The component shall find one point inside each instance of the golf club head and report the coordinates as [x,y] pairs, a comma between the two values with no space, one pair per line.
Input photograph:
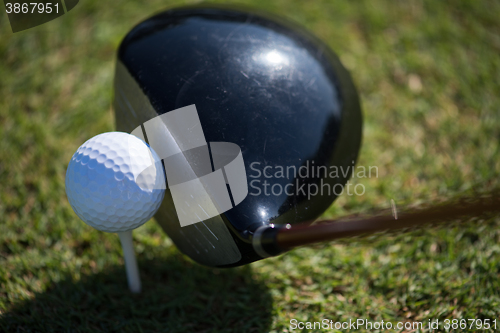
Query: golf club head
[279,95]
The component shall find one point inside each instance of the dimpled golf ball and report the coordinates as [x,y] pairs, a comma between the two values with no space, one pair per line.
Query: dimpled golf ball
[115,182]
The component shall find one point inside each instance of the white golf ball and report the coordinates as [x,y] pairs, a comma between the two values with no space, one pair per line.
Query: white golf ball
[115,182]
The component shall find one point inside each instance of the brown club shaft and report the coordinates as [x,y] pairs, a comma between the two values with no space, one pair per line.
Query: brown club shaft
[329,230]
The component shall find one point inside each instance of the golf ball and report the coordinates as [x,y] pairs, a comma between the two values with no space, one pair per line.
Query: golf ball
[115,182]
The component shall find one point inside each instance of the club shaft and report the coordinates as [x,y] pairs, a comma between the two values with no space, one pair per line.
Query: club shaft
[134,280]
[330,230]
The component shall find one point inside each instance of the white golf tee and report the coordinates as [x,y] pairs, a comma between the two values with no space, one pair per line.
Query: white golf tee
[134,281]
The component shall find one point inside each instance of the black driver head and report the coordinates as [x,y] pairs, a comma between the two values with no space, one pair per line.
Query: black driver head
[261,83]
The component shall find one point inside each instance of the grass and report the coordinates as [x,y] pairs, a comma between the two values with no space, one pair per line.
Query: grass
[428,75]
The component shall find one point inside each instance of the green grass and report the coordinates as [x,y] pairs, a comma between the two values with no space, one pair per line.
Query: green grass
[428,73]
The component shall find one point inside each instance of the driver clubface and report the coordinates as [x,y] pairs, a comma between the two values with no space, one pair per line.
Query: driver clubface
[260,83]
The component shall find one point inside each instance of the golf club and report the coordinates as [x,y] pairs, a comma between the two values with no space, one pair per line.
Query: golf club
[281,96]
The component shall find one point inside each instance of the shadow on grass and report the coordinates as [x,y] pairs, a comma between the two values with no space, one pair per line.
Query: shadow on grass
[177,296]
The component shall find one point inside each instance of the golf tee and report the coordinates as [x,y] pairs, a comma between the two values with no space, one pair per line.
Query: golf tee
[134,281]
